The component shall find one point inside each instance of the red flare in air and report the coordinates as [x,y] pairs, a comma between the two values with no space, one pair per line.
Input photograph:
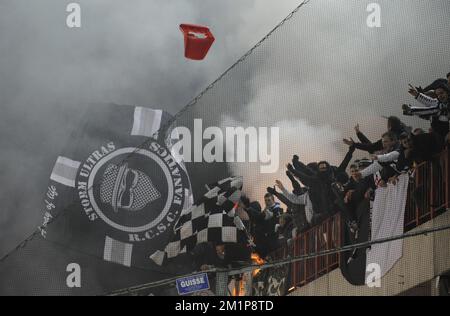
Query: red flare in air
[197,41]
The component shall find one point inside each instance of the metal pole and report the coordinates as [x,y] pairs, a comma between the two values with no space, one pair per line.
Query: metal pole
[221,283]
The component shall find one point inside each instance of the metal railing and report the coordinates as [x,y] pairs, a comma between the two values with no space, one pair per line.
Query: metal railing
[325,236]
[429,194]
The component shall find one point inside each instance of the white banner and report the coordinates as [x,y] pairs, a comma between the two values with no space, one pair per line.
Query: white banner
[387,221]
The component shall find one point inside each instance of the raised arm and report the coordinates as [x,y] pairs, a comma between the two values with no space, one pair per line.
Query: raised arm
[422,98]
[301,166]
[347,159]
[421,111]
[280,196]
[307,180]
[393,155]
[371,169]
[295,184]
[293,198]
[362,138]
[427,101]
[370,147]
[435,84]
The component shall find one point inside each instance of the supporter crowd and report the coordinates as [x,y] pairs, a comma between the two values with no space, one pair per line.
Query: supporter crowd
[318,190]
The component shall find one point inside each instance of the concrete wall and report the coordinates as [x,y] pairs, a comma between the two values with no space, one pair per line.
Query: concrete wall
[424,257]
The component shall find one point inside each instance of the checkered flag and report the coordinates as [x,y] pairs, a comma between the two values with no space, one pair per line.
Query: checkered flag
[211,219]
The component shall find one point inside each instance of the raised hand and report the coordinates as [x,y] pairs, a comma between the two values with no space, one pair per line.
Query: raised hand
[413,91]
[279,184]
[271,190]
[289,167]
[349,142]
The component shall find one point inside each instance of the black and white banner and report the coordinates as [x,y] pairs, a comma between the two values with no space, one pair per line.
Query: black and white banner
[117,190]
[272,281]
[115,193]
[353,263]
[211,219]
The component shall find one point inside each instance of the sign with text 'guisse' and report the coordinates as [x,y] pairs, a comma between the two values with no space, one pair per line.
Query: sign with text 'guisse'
[191,284]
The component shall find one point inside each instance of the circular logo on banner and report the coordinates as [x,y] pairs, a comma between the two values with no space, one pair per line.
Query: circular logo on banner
[137,192]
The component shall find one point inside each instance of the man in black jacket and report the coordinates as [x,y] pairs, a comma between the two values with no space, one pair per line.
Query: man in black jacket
[285,230]
[320,182]
[424,146]
[263,228]
[319,185]
[355,191]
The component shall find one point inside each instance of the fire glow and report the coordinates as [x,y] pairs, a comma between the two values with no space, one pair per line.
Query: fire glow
[256,260]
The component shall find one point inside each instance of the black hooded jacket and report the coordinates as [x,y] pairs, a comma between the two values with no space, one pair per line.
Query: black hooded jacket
[425,146]
[262,229]
[319,183]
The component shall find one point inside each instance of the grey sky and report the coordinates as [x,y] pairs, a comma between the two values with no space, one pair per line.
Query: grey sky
[321,73]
